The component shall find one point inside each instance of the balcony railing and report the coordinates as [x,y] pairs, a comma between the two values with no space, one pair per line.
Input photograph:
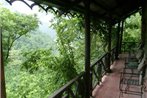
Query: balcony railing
[76,87]
[129,46]
[99,69]
[73,89]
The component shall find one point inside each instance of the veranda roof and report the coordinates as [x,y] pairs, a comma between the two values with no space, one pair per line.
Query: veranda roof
[107,10]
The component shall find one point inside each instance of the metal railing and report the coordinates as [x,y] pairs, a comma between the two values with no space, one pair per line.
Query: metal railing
[73,89]
[129,46]
[76,87]
[100,68]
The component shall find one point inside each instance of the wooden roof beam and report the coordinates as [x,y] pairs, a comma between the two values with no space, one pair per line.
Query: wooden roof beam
[76,2]
[107,11]
[68,3]
[101,6]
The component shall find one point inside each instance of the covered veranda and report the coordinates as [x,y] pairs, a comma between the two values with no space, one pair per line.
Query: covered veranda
[109,87]
[111,12]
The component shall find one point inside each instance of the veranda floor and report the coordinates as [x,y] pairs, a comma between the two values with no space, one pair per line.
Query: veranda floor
[109,87]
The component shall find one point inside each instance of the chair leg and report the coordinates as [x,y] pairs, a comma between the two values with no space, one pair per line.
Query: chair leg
[142,89]
[120,94]
[144,86]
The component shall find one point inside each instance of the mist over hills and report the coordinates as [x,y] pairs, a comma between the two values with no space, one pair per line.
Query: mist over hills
[43,17]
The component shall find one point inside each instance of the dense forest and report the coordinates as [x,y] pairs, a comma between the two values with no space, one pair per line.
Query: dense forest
[36,65]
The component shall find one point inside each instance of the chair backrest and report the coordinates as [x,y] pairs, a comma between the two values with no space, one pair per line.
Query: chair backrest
[145,77]
[139,54]
[141,64]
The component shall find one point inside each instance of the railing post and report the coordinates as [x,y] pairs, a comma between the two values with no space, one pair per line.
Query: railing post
[121,36]
[3,88]
[87,48]
[109,48]
[118,40]
[143,24]
[91,85]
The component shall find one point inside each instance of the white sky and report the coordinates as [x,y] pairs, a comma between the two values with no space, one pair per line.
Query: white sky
[23,8]
[44,17]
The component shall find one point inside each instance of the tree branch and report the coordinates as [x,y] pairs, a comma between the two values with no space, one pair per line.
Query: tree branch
[10,45]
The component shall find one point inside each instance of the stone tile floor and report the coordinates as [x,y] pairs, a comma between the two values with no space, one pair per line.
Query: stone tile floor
[109,88]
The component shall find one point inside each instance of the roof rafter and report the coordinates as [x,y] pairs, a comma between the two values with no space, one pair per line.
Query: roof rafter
[100,5]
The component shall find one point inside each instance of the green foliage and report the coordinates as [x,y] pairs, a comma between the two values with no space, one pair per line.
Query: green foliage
[38,66]
[36,59]
[132,29]
[33,41]
[13,26]
[132,32]
[70,40]
[40,78]
[70,33]
[22,84]
[100,29]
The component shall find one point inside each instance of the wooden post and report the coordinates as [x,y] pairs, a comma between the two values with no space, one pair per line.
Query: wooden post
[144,29]
[3,88]
[87,48]
[109,48]
[121,36]
[118,40]
[143,24]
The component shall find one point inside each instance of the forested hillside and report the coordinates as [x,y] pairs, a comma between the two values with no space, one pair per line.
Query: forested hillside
[36,65]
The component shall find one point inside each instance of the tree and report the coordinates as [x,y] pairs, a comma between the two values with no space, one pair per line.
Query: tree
[13,26]
[33,41]
[132,32]
[36,59]
[70,33]
[132,29]
[70,42]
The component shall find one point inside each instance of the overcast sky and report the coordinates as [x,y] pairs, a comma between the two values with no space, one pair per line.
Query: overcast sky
[43,16]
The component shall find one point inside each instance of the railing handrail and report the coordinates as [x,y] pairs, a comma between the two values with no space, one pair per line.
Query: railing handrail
[69,84]
[100,58]
[66,86]
[128,46]
[113,48]
[92,65]
[129,42]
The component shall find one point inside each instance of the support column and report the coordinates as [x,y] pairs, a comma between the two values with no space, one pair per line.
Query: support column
[121,36]
[118,40]
[3,88]
[143,23]
[109,47]
[144,30]
[87,48]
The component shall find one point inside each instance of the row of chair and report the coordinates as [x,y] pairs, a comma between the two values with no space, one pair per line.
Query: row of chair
[131,79]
